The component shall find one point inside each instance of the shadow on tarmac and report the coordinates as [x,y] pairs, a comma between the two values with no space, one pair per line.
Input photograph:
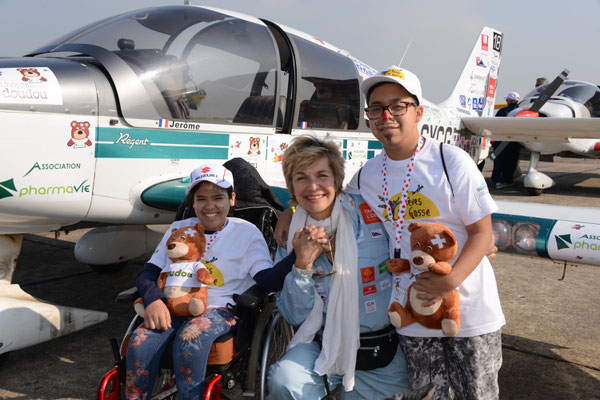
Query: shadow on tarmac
[532,370]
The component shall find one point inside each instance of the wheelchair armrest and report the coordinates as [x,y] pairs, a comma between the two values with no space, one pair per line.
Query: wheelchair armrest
[128,296]
[251,298]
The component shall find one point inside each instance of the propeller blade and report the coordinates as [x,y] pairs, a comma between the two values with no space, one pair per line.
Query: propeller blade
[546,94]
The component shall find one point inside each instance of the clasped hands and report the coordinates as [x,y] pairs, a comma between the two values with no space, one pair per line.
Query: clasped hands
[309,242]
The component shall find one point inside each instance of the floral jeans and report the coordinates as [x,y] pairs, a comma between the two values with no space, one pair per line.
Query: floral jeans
[193,339]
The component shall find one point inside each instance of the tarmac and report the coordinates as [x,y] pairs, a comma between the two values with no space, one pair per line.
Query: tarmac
[551,346]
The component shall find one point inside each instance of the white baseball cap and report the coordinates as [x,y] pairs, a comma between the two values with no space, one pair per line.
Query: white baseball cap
[395,74]
[213,173]
[513,96]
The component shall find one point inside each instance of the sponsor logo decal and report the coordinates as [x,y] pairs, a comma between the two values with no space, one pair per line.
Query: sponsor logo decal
[54,190]
[393,72]
[383,267]
[418,206]
[463,100]
[492,88]
[484,42]
[29,85]
[125,138]
[53,166]
[370,306]
[367,274]
[6,188]
[480,62]
[368,214]
[376,233]
[563,241]
[367,290]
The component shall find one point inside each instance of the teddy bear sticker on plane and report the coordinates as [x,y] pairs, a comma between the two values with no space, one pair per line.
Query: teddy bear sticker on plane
[184,281]
[432,247]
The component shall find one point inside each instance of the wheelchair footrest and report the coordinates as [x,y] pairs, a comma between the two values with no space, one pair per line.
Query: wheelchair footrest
[212,388]
[110,385]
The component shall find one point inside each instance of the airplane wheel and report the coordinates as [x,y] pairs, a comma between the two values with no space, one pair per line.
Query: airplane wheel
[3,358]
[108,269]
[534,191]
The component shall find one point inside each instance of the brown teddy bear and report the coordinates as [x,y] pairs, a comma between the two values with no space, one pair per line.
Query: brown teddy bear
[185,247]
[432,246]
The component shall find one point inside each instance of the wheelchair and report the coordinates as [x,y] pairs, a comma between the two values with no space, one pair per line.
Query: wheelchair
[242,357]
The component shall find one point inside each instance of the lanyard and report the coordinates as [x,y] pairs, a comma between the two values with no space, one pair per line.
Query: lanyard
[399,222]
[212,237]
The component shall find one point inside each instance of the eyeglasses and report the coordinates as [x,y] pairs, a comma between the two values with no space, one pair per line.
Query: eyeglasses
[397,110]
[333,271]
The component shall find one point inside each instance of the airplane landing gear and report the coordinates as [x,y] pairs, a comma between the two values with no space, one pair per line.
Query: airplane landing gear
[535,181]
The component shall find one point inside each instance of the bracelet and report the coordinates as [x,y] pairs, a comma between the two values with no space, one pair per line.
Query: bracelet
[305,273]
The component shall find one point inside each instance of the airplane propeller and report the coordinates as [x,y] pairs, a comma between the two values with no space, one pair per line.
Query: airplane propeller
[533,111]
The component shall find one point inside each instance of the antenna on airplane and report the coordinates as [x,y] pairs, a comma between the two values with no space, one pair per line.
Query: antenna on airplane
[405,51]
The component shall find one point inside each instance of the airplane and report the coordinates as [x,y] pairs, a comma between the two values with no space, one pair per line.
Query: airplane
[555,103]
[102,126]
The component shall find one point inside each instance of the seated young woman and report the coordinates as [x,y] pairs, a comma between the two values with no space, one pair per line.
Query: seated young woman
[337,294]
[239,256]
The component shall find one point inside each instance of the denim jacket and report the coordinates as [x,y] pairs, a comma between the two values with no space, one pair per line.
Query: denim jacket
[296,299]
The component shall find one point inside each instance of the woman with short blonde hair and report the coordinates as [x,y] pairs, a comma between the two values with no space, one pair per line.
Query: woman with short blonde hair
[339,296]
[308,150]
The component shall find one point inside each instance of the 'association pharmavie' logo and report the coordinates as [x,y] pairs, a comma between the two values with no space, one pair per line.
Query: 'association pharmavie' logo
[5,187]
[563,241]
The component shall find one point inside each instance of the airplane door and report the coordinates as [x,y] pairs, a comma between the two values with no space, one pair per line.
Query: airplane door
[47,148]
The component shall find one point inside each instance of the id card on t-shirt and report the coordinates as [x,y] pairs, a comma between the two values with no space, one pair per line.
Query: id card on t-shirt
[183,274]
[398,290]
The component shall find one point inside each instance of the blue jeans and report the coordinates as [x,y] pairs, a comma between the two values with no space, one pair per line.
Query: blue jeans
[293,377]
[192,340]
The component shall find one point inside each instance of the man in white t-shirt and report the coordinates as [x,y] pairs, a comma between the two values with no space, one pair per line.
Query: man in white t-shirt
[407,182]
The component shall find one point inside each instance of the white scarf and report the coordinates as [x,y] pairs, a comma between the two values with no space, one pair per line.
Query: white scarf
[342,329]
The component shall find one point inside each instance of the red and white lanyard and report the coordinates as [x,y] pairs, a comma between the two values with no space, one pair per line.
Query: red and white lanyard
[399,222]
[212,237]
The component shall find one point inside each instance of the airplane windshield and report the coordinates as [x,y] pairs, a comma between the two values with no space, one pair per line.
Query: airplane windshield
[195,64]
[580,92]
[586,94]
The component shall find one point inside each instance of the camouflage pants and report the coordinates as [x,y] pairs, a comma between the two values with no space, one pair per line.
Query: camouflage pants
[462,368]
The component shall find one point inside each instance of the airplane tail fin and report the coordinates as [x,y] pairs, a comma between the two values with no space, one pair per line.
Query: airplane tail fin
[476,88]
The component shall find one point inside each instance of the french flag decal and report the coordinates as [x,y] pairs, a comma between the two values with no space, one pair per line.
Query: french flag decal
[163,123]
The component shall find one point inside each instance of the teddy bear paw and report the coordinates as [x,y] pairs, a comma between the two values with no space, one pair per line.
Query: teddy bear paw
[395,319]
[196,307]
[449,327]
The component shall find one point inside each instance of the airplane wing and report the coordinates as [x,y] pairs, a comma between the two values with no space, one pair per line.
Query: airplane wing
[534,129]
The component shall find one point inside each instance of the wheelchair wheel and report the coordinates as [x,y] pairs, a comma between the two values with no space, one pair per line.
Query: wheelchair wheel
[277,338]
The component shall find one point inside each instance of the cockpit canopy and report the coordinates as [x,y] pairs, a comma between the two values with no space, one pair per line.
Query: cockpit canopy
[205,65]
[580,92]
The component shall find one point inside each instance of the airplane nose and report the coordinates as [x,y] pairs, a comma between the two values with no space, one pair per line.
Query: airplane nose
[527,114]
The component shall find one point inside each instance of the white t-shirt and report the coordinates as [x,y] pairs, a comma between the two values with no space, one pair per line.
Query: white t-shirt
[183,274]
[430,200]
[237,253]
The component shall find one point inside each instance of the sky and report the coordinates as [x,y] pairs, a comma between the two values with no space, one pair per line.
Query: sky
[541,38]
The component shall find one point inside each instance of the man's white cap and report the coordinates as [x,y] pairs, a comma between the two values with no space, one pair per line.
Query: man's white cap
[395,74]
[513,96]
[213,173]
